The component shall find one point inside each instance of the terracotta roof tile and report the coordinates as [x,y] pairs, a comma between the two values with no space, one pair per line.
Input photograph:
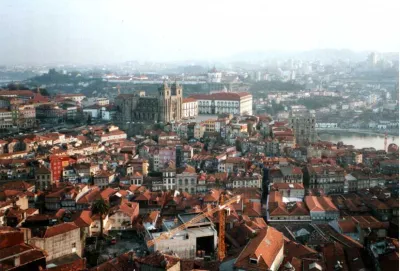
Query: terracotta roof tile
[60,229]
[265,247]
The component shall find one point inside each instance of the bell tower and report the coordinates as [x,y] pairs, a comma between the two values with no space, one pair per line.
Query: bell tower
[164,101]
[177,99]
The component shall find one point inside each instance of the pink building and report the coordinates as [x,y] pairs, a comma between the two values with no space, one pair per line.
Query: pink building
[163,156]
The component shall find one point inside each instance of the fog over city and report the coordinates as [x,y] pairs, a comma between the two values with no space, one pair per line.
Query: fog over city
[82,32]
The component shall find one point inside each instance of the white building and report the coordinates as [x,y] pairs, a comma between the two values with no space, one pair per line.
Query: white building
[236,103]
[189,108]
[373,59]
[114,135]
[6,120]
[214,76]
[326,125]
[75,97]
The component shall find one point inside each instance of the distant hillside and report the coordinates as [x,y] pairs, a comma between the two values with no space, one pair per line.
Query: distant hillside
[325,55]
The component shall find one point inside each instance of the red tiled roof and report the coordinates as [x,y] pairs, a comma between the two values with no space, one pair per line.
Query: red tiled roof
[128,208]
[319,204]
[84,219]
[17,185]
[280,186]
[222,96]
[77,265]
[106,193]
[60,229]
[155,260]
[27,253]
[347,226]
[265,247]
[189,100]
[275,196]
[297,250]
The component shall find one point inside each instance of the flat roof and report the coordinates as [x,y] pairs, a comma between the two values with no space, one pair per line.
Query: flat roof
[187,217]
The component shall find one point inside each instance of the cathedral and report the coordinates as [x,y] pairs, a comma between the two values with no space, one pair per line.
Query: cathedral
[166,106]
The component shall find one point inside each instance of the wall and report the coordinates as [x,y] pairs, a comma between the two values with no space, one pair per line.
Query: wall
[60,245]
[278,260]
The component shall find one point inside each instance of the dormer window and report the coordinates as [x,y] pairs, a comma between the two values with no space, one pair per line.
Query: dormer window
[253,261]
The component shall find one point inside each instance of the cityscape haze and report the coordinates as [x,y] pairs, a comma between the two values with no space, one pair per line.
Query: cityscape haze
[84,32]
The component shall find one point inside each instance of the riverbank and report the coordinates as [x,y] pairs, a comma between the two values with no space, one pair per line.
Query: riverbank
[359,140]
[356,131]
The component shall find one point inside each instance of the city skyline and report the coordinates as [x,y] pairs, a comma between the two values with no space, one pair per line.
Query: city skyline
[111,32]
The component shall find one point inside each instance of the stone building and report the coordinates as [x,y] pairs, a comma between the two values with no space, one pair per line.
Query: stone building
[328,178]
[198,236]
[59,240]
[186,179]
[16,255]
[44,178]
[303,123]
[137,107]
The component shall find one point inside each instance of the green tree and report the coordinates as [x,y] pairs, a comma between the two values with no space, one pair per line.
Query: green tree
[101,208]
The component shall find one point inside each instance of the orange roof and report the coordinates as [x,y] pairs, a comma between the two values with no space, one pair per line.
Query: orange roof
[79,264]
[152,216]
[84,219]
[275,196]
[60,229]
[212,196]
[264,248]
[297,250]
[277,209]
[128,208]
[319,204]
[189,100]
[106,193]
[157,259]
[347,226]
[222,96]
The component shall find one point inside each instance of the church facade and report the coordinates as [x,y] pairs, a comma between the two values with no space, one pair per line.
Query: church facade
[166,106]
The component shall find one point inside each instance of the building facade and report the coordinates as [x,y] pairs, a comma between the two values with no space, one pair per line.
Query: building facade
[303,124]
[6,119]
[236,103]
[331,179]
[165,107]
[59,240]
[189,108]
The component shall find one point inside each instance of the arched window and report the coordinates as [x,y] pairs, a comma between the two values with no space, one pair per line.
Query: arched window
[180,181]
[193,181]
[186,181]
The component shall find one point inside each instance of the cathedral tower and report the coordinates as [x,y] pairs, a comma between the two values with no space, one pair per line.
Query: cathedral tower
[177,100]
[164,100]
[170,102]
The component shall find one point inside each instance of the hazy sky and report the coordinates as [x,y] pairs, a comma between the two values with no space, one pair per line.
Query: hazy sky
[83,31]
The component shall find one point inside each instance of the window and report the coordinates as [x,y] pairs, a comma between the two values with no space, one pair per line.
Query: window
[73,245]
[253,261]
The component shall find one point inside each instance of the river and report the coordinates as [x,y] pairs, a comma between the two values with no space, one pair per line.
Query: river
[358,140]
